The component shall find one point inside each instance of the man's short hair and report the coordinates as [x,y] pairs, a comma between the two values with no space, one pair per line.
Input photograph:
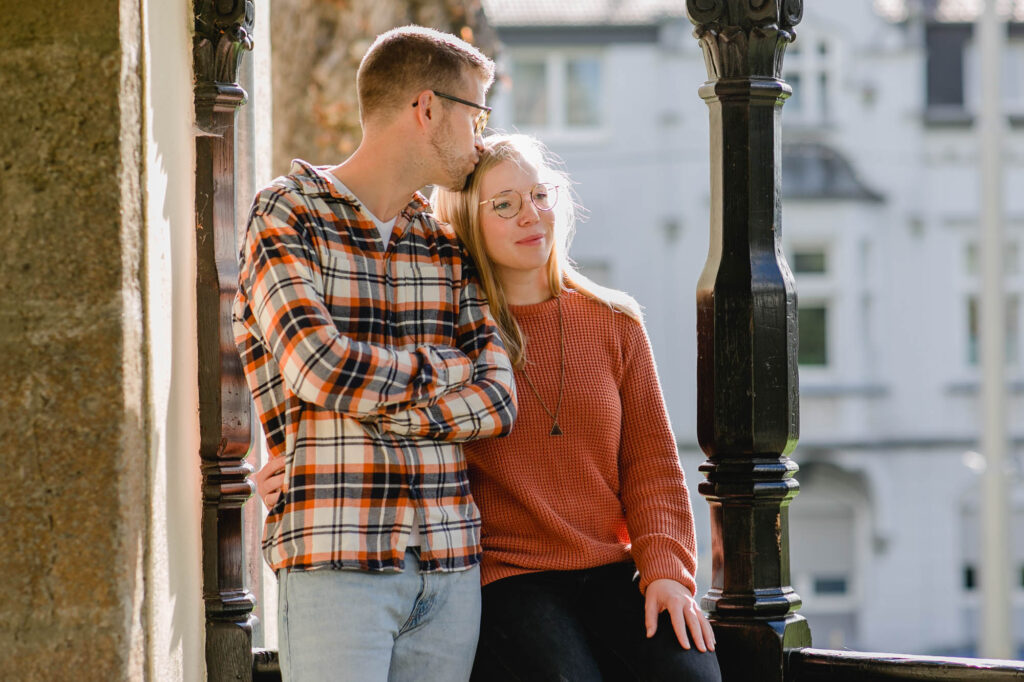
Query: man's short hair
[405,61]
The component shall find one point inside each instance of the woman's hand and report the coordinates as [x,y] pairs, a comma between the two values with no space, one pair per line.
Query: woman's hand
[664,594]
[269,481]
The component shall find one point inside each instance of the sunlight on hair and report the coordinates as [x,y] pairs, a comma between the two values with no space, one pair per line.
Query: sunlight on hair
[462,211]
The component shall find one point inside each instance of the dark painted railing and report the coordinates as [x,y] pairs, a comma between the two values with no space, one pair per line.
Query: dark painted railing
[820,665]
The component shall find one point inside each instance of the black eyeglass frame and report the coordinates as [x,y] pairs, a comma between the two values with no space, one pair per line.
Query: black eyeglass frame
[480,122]
[552,189]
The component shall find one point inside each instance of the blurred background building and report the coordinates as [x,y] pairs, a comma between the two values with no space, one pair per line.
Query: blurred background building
[107,564]
[880,226]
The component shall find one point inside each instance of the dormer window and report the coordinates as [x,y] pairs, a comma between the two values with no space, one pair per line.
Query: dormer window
[810,69]
[553,92]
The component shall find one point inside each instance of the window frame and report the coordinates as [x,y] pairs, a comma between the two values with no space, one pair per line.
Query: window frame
[818,289]
[970,290]
[810,66]
[556,62]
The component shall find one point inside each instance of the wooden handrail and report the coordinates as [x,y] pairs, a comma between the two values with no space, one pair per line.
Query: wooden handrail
[812,665]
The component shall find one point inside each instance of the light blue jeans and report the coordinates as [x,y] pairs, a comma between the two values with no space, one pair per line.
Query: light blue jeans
[372,627]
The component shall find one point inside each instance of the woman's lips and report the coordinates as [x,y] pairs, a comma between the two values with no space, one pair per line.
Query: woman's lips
[531,241]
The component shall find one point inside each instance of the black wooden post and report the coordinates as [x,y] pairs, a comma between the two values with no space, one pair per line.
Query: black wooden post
[748,397]
[222,31]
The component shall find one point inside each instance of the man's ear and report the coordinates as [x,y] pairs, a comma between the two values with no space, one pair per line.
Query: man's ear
[424,107]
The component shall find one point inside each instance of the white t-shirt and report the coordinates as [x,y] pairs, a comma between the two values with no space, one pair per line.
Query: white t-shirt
[384,227]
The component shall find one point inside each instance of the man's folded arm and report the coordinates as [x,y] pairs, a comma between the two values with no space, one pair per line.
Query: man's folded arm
[284,284]
[486,406]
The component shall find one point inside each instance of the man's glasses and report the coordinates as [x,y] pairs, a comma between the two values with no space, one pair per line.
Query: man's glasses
[507,204]
[480,122]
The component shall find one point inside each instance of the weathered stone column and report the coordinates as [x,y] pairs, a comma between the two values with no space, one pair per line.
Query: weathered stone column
[222,31]
[74,448]
[748,396]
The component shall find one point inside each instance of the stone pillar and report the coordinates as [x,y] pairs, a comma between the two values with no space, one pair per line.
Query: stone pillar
[222,31]
[74,449]
[748,396]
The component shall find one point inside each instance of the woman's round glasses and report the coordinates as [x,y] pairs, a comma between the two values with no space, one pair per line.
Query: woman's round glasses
[508,203]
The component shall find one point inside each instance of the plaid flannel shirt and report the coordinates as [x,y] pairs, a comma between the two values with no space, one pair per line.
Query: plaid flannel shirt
[367,366]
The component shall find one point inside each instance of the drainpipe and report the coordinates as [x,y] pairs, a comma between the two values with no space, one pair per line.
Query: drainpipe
[996,637]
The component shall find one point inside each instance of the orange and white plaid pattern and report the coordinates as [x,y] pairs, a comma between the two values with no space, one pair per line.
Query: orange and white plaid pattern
[368,366]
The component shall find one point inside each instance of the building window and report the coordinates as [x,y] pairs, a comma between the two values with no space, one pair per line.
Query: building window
[1011,260]
[583,92]
[830,585]
[810,264]
[945,66]
[530,94]
[953,78]
[809,261]
[1014,287]
[970,577]
[809,65]
[1012,322]
[554,91]
[813,335]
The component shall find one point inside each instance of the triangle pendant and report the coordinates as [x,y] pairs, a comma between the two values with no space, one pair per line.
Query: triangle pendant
[555,430]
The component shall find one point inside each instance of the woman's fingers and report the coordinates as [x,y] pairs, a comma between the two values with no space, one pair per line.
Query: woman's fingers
[269,481]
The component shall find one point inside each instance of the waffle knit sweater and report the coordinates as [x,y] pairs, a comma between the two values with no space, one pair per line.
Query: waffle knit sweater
[611,488]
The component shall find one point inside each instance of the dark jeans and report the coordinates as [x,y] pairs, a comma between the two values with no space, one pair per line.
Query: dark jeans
[578,626]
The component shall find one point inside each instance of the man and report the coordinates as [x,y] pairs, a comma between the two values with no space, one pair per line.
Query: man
[370,353]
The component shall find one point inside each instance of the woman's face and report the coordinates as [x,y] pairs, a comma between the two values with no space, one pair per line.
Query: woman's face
[523,242]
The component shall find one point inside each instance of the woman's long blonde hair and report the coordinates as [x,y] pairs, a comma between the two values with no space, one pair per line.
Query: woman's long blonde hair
[462,211]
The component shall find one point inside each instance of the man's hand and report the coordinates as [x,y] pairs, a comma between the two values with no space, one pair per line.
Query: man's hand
[664,594]
[269,481]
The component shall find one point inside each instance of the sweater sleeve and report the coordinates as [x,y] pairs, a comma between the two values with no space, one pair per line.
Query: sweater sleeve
[654,495]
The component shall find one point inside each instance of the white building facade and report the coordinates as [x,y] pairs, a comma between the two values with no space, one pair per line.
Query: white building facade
[880,225]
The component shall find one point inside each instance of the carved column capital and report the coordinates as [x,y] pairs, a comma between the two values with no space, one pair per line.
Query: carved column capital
[744,38]
[223,29]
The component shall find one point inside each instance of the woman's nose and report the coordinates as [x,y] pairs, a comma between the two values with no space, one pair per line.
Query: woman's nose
[528,213]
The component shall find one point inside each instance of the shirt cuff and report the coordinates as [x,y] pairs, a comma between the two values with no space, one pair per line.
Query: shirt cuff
[455,367]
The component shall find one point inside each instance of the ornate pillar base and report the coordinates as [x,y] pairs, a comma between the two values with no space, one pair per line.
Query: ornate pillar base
[755,649]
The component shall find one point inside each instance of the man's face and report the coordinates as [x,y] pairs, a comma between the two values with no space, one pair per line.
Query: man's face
[454,141]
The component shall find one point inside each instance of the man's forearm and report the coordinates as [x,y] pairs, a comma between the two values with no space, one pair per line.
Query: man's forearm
[283,304]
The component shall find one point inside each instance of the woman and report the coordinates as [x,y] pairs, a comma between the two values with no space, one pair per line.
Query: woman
[589,550]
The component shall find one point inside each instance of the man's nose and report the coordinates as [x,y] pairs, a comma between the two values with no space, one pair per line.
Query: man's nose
[478,142]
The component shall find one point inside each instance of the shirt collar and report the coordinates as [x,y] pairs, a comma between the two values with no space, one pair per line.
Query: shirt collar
[313,181]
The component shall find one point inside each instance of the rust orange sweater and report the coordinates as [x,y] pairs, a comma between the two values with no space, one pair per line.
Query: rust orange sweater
[611,486]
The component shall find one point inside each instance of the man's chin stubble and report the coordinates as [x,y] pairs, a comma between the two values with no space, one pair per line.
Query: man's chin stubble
[458,185]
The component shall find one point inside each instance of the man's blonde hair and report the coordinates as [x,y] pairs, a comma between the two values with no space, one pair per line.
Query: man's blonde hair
[405,61]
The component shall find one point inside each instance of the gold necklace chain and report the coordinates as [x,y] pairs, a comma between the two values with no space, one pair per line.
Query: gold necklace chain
[556,430]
